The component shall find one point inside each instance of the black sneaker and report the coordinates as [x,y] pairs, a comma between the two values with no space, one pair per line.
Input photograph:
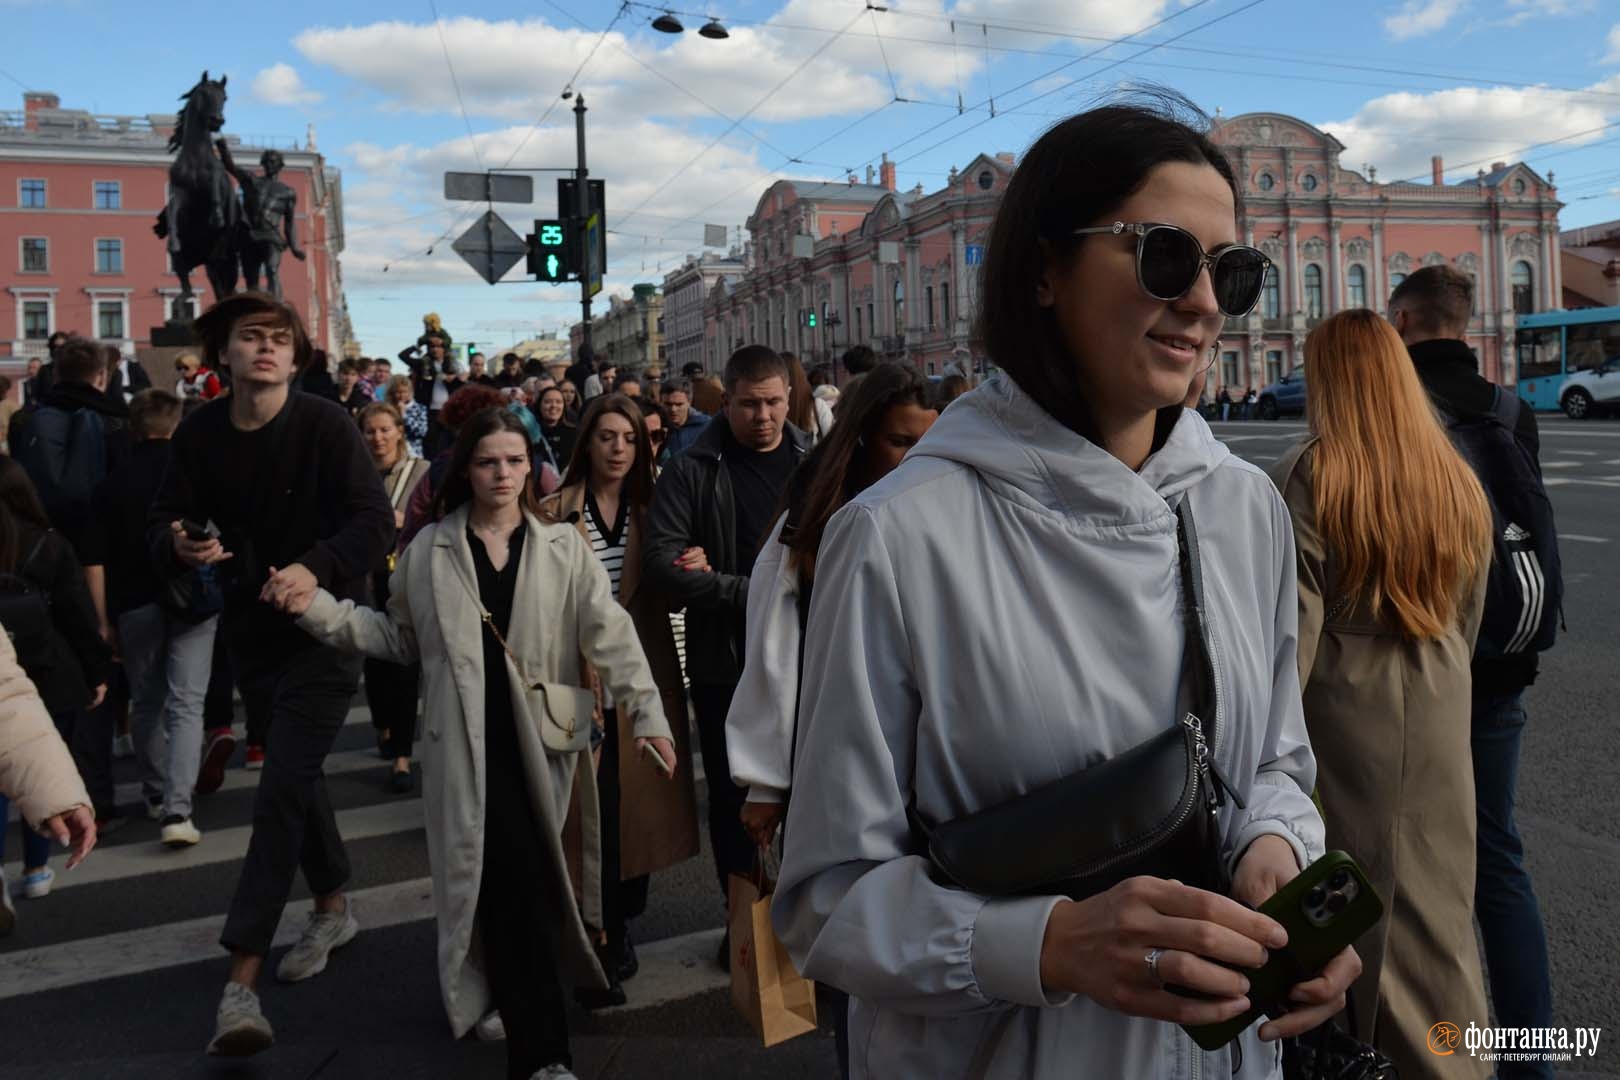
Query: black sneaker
[628,964]
[403,783]
[590,998]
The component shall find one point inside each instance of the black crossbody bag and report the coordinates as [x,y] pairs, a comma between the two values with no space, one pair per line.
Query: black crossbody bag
[1152,810]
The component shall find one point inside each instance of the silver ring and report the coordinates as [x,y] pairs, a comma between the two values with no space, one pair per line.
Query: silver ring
[1152,960]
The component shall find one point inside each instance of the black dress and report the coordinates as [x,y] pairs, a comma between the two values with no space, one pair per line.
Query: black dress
[520,957]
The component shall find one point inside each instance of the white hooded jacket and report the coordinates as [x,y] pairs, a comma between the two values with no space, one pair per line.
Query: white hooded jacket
[999,612]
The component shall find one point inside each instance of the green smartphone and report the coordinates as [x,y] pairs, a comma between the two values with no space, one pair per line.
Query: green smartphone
[1326,908]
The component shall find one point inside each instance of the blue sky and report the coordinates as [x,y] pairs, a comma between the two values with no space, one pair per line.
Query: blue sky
[687,130]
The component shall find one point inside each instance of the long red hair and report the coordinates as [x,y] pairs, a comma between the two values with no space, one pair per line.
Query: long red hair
[1399,509]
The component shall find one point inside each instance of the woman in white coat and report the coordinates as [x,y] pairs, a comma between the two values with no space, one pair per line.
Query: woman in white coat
[1004,611]
[491,600]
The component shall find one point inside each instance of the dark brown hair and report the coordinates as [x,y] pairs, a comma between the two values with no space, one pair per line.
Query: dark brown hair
[19,502]
[638,485]
[839,468]
[78,360]
[216,325]
[801,402]
[754,363]
[457,488]
[154,413]
[1075,175]
[1438,299]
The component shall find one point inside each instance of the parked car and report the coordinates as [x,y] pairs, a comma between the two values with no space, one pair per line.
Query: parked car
[1588,393]
[1286,397]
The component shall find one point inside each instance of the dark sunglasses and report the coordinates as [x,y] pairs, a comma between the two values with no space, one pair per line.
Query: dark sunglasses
[1169,260]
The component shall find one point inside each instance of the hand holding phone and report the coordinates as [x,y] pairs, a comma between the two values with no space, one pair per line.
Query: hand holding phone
[651,752]
[194,531]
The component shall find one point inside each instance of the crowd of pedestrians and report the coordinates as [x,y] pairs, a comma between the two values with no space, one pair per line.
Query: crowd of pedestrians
[888,612]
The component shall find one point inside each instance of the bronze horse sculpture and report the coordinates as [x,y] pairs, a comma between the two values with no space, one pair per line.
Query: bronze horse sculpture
[200,221]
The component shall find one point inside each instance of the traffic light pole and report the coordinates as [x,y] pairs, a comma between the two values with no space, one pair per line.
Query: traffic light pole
[582,210]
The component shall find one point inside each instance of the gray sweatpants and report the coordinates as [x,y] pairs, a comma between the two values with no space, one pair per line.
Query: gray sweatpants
[167,661]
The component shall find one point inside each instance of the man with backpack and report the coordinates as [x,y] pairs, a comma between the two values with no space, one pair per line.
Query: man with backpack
[68,445]
[166,629]
[1497,434]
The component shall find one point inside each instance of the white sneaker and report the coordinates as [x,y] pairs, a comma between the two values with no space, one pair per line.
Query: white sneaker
[491,1028]
[38,884]
[179,832]
[8,913]
[322,934]
[555,1072]
[240,1029]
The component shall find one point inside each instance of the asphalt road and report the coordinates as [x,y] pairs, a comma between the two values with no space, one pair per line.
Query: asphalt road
[116,974]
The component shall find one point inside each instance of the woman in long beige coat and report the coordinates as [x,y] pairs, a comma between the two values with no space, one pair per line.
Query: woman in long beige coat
[605,497]
[492,600]
[1393,538]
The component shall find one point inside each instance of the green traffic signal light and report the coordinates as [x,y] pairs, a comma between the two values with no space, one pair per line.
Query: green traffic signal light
[552,264]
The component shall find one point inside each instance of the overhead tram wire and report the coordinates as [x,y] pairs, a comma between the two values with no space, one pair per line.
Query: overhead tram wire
[752,109]
[1520,152]
[456,84]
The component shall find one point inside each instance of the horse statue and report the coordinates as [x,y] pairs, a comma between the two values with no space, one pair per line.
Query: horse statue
[200,221]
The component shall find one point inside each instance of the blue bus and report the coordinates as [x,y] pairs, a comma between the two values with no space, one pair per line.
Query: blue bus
[1554,345]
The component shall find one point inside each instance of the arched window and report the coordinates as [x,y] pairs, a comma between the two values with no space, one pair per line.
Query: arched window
[1313,291]
[1356,279]
[1523,293]
[1395,282]
[1271,296]
[899,307]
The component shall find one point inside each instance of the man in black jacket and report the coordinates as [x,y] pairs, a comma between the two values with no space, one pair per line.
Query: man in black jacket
[286,480]
[1431,310]
[711,509]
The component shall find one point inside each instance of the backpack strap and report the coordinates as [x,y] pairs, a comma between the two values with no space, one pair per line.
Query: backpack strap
[1505,408]
[22,570]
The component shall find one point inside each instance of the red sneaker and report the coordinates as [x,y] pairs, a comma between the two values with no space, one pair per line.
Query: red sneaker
[217,751]
[255,757]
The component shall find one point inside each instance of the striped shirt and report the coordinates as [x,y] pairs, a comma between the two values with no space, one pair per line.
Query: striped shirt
[608,544]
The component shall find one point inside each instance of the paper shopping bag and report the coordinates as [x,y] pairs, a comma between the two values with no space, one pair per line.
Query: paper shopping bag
[771,995]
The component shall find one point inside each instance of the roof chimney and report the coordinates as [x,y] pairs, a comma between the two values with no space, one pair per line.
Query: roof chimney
[1439,168]
[853,180]
[1006,157]
[886,171]
[871,176]
[33,102]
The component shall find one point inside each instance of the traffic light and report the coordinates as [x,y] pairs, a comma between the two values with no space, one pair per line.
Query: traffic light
[811,323]
[554,252]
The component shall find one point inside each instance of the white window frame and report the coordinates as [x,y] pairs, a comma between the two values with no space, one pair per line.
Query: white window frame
[1365,277]
[118,190]
[21,258]
[1321,291]
[21,180]
[22,294]
[199,290]
[123,320]
[95,256]
[107,296]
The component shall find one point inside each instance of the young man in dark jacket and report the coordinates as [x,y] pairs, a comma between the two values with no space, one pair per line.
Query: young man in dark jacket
[1431,310]
[711,509]
[168,653]
[287,483]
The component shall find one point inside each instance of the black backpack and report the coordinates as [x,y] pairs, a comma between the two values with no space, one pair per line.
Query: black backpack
[1524,592]
[65,455]
[25,612]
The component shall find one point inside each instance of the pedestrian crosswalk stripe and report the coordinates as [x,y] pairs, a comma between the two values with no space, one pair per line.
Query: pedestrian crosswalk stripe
[345,761]
[117,861]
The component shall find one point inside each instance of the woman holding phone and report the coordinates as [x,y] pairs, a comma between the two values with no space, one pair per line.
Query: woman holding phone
[1015,605]
[491,601]
[647,825]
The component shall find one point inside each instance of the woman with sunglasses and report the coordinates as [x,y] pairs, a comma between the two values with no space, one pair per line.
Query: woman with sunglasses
[1386,638]
[1017,603]
[491,600]
[647,825]
[195,383]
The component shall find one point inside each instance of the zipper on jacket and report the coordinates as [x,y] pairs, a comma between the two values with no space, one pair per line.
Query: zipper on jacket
[1183,812]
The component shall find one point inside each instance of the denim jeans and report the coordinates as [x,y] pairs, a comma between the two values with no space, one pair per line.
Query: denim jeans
[1504,902]
[36,848]
[168,661]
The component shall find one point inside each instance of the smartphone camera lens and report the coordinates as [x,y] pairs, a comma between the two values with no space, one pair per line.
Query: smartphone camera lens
[1339,880]
[1336,902]
[1315,897]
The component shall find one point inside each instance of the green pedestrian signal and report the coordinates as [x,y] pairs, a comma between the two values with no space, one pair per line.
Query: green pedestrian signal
[554,251]
[812,323]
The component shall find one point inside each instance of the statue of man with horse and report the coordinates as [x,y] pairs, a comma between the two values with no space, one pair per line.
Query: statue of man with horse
[202,218]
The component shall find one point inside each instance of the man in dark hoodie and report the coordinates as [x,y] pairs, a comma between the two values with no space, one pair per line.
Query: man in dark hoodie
[1431,310]
[712,508]
[285,490]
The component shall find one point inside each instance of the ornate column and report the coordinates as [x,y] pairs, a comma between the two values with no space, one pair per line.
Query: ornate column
[958,272]
[1378,283]
[1487,276]
[1296,288]
[1551,293]
[1336,269]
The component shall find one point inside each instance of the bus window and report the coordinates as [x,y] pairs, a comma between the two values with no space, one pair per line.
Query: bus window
[1540,353]
[1590,345]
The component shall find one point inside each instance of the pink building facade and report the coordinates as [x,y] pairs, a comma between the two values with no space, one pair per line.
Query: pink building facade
[1342,240]
[896,270]
[78,198]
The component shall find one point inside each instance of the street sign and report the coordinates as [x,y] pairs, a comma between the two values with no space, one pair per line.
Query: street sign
[973,254]
[491,247]
[596,190]
[714,236]
[554,251]
[488,187]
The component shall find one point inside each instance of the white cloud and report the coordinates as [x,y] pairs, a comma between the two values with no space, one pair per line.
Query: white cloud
[1398,133]
[1419,17]
[280,84]
[1614,46]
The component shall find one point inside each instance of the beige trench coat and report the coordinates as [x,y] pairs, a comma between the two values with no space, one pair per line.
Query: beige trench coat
[658,824]
[1389,723]
[36,770]
[563,610]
